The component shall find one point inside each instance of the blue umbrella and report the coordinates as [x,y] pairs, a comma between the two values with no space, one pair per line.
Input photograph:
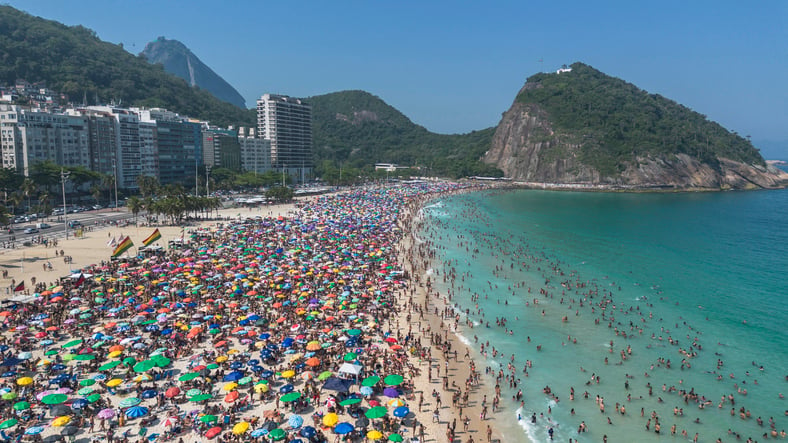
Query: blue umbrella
[253,362]
[295,421]
[236,365]
[257,368]
[267,373]
[234,376]
[150,393]
[401,411]
[343,428]
[57,367]
[136,411]
[11,361]
[307,431]
[9,374]
[259,432]
[264,336]
[286,343]
[286,388]
[34,430]
[79,403]
[365,390]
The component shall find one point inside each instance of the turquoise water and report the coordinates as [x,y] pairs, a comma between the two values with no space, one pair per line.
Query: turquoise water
[705,269]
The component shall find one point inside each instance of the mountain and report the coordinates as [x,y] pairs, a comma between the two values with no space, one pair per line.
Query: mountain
[359,129]
[179,60]
[581,126]
[74,61]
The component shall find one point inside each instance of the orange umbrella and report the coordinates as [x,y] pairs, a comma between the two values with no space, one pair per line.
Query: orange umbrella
[231,397]
[116,348]
[312,361]
[220,344]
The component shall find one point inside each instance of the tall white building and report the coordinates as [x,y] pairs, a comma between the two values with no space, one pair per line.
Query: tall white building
[287,123]
[255,152]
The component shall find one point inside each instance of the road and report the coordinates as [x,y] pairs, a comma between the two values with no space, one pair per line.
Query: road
[96,219]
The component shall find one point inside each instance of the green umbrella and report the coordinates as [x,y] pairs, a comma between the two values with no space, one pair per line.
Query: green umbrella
[85,357]
[73,343]
[10,395]
[8,423]
[395,438]
[21,406]
[324,375]
[370,381]
[93,398]
[108,366]
[87,382]
[352,332]
[212,366]
[87,390]
[350,401]
[201,397]
[290,396]
[376,412]
[69,357]
[189,376]
[193,392]
[277,434]
[244,380]
[99,344]
[393,380]
[148,322]
[145,365]
[129,361]
[54,399]
[160,360]
[129,402]
[208,418]
[350,356]
[51,352]
[215,331]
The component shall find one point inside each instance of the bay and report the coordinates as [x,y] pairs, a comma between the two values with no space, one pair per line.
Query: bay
[703,270]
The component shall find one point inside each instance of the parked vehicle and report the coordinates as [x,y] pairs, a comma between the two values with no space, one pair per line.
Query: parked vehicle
[30,230]
[43,226]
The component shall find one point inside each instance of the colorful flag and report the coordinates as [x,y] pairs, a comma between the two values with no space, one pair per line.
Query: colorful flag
[112,242]
[123,247]
[80,280]
[152,238]
[20,287]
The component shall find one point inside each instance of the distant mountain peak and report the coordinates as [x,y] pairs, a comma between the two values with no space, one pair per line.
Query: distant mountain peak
[179,60]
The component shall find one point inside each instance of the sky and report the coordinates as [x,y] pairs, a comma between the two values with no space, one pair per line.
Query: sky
[454,67]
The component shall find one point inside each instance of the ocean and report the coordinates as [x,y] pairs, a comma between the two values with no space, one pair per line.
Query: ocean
[575,282]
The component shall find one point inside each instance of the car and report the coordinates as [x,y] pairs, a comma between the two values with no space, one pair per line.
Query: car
[43,225]
[74,224]
[58,211]
[30,230]
[97,207]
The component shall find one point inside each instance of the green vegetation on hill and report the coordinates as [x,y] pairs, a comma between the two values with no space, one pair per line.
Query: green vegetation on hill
[74,61]
[614,121]
[356,128]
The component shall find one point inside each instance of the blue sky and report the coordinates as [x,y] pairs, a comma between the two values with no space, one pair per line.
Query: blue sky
[456,66]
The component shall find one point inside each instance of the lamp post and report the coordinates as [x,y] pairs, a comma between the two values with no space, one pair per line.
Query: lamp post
[284,167]
[63,176]
[207,172]
[115,179]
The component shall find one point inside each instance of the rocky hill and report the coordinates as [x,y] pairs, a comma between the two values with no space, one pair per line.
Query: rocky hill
[179,60]
[584,127]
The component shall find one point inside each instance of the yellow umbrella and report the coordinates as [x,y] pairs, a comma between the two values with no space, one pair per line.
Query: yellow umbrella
[330,419]
[114,354]
[313,346]
[221,359]
[43,362]
[142,377]
[232,351]
[240,427]
[61,421]
[374,435]
[24,381]
[395,403]
[288,374]
[230,386]
[114,382]
[261,387]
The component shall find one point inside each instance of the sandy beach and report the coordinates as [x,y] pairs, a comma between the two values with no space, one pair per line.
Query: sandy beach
[436,378]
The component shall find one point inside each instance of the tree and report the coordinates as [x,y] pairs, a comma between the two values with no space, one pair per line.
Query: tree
[148,185]
[28,189]
[280,194]
[135,205]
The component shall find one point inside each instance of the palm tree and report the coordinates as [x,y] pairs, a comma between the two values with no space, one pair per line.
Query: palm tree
[135,205]
[28,188]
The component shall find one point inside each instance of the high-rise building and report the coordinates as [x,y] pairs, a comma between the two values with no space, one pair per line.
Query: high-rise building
[128,164]
[220,149]
[255,152]
[179,145]
[287,123]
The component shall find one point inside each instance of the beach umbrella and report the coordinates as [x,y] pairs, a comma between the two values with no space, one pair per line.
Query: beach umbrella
[85,357]
[93,398]
[110,365]
[145,365]
[350,401]
[129,402]
[287,374]
[330,419]
[24,381]
[231,397]
[393,380]
[73,343]
[87,382]
[370,381]
[189,376]
[150,393]
[54,399]
[106,413]
[172,392]
[307,432]
[208,418]
[25,355]
[277,434]
[61,421]
[286,388]
[344,428]
[192,392]
[136,411]
[374,435]
[85,391]
[295,421]
[201,397]
[362,422]
[391,392]
[365,390]
[401,412]
[8,423]
[350,356]
[324,375]
[114,382]
[261,387]
[397,438]
[230,386]
[35,430]
[234,376]
[21,406]
[240,427]
[292,396]
[213,432]
[376,412]
[9,395]
[79,403]
[69,430]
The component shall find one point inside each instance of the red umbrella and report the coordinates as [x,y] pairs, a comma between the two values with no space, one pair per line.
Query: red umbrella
[172,392]
[213,432]
[231,397]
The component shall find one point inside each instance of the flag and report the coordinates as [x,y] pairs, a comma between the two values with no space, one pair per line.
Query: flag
[80,280]
[20,287]
[112,242]
[152,238]
[123,247]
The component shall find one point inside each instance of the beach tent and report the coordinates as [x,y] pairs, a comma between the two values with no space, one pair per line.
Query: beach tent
[349,368]
[337,384]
